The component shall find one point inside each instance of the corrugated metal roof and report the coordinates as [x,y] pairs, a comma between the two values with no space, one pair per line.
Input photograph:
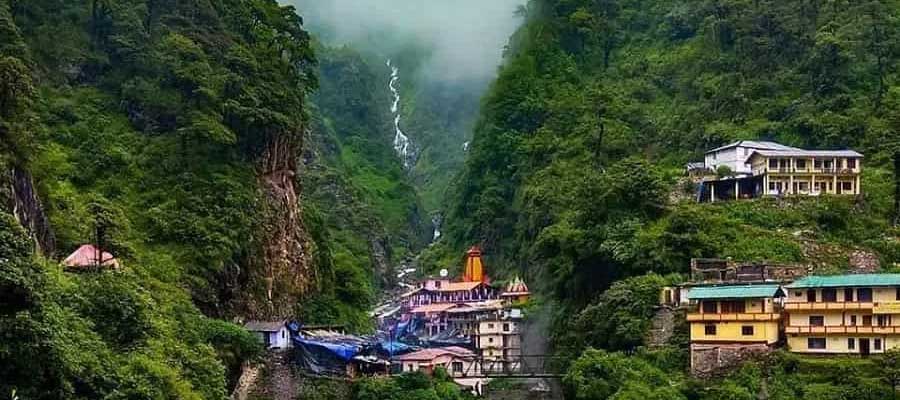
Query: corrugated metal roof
[733,292]
[264,326]
[755,144]
[866,280]
[807,153]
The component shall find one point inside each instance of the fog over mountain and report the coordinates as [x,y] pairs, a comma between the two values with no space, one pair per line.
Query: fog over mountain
[466,37]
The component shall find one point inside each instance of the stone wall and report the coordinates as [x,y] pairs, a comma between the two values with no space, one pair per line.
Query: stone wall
[708,360]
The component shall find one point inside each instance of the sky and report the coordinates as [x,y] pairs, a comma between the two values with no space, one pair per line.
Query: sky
[466,37]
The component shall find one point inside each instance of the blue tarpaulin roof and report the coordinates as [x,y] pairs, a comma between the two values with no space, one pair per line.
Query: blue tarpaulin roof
[346,351]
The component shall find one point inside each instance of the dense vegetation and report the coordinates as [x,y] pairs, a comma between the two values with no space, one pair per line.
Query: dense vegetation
[600,103]
[151,127]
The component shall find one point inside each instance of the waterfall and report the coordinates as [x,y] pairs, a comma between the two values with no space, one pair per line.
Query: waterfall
[436,221]
[402,144]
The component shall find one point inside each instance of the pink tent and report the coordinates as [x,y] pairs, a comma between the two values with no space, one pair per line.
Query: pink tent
[90,256]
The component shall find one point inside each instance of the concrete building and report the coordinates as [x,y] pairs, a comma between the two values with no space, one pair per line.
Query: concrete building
[273,334]
[771,169]
[457,361]
[730,323]
[498,340]
[734,155]
[843,314]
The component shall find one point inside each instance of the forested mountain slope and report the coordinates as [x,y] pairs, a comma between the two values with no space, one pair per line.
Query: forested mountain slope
[169,133]
[600,103]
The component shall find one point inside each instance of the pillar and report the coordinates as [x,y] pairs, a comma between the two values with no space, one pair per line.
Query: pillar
[765,184]
[812,183]
[737,190]
[858,190]
[835,184]
[791,184]
[712,193]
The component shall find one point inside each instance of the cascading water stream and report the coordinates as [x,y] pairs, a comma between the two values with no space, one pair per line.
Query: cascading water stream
[402,144]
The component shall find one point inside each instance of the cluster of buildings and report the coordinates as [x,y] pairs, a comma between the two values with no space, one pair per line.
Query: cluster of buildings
[751,169]
[469,327]
[470,314]
[737,311]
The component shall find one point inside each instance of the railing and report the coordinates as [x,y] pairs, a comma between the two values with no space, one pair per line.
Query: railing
[521,366]
[807,170]
[829,306]
[889,330]
[694,317]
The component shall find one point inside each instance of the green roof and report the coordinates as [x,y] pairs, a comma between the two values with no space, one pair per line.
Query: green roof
[733,292]
[868,280]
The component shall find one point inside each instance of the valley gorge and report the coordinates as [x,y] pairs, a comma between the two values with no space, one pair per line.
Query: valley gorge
[190,185]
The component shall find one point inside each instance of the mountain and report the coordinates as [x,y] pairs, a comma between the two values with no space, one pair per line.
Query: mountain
[575,168]
[168,133]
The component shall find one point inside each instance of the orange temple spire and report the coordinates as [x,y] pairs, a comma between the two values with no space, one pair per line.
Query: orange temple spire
[474,269]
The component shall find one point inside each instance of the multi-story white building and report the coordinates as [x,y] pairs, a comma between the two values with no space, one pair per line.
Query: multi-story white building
[759,169]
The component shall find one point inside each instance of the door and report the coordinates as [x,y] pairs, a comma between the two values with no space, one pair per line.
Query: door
[864,347]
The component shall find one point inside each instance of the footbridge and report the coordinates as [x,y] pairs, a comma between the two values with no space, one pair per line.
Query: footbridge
[520,366]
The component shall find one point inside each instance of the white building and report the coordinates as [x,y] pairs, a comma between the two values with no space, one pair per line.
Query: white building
[273,334]
[735,155]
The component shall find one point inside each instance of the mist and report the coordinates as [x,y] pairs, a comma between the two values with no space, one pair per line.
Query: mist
[465,38]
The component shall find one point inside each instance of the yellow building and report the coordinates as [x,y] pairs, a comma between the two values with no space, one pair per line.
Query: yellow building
[807,172]
[735,314]
[731,323]
[843,314]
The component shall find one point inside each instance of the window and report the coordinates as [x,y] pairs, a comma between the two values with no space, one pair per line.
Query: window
[816,320]
[829,295]
[457,367]
[811,296]
[490,326]
[747,330]
[801,164]
[709,330]
[898,294]
[773,163]
[505,327]
[864,295]
[848,294]
[709,307]
[817,164]
[410,367]
[851,163]
[847,186]
[852,320]
[490,340]
[772,187]
[815,343]
[883,320]
[437,284]
[733,307]
[867,320]
[851,343]
[877,344]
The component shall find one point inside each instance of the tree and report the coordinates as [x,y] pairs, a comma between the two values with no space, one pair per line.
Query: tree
[890,368]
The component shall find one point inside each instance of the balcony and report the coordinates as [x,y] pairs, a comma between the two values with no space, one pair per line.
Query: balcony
[840,330]
[828,306]
[808,170]
[698,317]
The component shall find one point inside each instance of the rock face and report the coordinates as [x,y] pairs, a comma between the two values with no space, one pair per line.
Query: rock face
[23,202]
[282,272]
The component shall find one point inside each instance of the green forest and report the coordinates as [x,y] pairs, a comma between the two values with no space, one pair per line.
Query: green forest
[240,167]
